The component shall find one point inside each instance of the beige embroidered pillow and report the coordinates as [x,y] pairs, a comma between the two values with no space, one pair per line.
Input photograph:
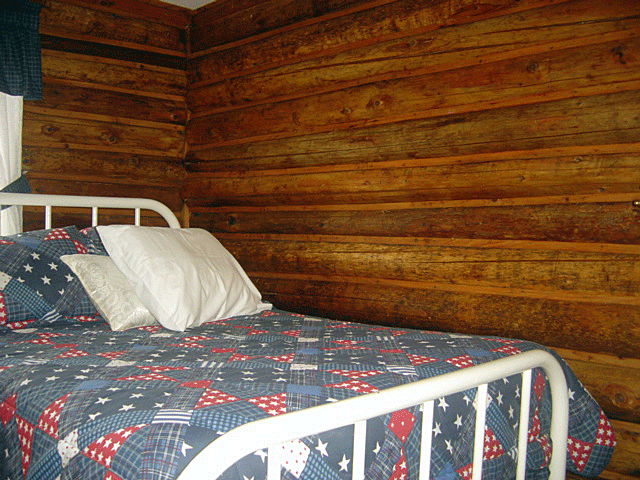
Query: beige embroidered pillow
[110,292]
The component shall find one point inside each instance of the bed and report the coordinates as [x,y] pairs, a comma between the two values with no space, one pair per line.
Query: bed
[93,385]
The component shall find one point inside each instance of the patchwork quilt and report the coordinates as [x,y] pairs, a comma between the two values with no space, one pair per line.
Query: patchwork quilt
[78,400]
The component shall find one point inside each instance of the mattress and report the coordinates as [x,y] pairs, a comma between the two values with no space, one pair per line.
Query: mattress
[78,400]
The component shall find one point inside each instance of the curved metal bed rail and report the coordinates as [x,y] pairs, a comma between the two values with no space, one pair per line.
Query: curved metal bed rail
[93,202]
[271,432]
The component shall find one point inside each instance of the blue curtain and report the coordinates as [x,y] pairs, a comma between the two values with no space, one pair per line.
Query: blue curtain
[20,64]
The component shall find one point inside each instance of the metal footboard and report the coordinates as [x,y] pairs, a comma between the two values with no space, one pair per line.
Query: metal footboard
[270,433]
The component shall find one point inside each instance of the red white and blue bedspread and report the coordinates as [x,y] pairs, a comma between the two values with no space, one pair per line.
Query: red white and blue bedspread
[78,400]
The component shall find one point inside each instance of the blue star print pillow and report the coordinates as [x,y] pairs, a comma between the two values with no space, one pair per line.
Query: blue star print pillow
[35,285]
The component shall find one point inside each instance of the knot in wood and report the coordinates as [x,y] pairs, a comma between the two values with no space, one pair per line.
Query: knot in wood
[109,137]
[619,54]
[49,129]
[620,398]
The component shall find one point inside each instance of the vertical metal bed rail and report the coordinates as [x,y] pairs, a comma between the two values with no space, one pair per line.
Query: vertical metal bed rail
[94,216]
[47,216]
[478,439]
[523,422]
[427,439]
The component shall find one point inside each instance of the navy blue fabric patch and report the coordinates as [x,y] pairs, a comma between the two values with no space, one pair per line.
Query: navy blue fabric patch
[35,284]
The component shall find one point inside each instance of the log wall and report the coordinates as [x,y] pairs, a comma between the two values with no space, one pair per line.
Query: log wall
[453,164]
[113,113]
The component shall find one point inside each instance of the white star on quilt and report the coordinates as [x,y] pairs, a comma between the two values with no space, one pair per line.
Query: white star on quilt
[458,422]
[344,464]
[449,446]
[322,448]
[262,454]
[185,447]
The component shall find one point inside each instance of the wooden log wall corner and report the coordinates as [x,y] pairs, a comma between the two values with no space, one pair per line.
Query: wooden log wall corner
[113,113]
[461,165]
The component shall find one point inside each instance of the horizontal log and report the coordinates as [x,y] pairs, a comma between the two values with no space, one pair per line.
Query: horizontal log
[75,186]
[94,49]
[507,175]
[66,19]
[334,34]
[216,25]
[47,162]
[561,74]
[101,117]
[163,13]
[570,275]
[592,327]
[65,98]
[113,75]
[445,49]
[596,120]
[571,222]
[50,131]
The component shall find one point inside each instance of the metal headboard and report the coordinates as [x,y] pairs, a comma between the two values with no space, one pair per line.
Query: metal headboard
[95,203]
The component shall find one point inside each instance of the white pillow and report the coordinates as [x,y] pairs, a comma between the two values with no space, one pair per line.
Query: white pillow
[184,276]
[110,291]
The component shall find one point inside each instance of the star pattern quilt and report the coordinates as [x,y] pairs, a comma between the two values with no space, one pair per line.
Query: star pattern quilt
[78,400]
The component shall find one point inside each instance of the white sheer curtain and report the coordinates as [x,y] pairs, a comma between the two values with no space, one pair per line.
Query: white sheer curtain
[10,155]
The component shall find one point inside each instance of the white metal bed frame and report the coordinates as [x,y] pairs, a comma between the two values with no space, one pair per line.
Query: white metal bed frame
[271,433]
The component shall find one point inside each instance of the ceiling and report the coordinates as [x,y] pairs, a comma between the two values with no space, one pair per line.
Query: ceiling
[192,4]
